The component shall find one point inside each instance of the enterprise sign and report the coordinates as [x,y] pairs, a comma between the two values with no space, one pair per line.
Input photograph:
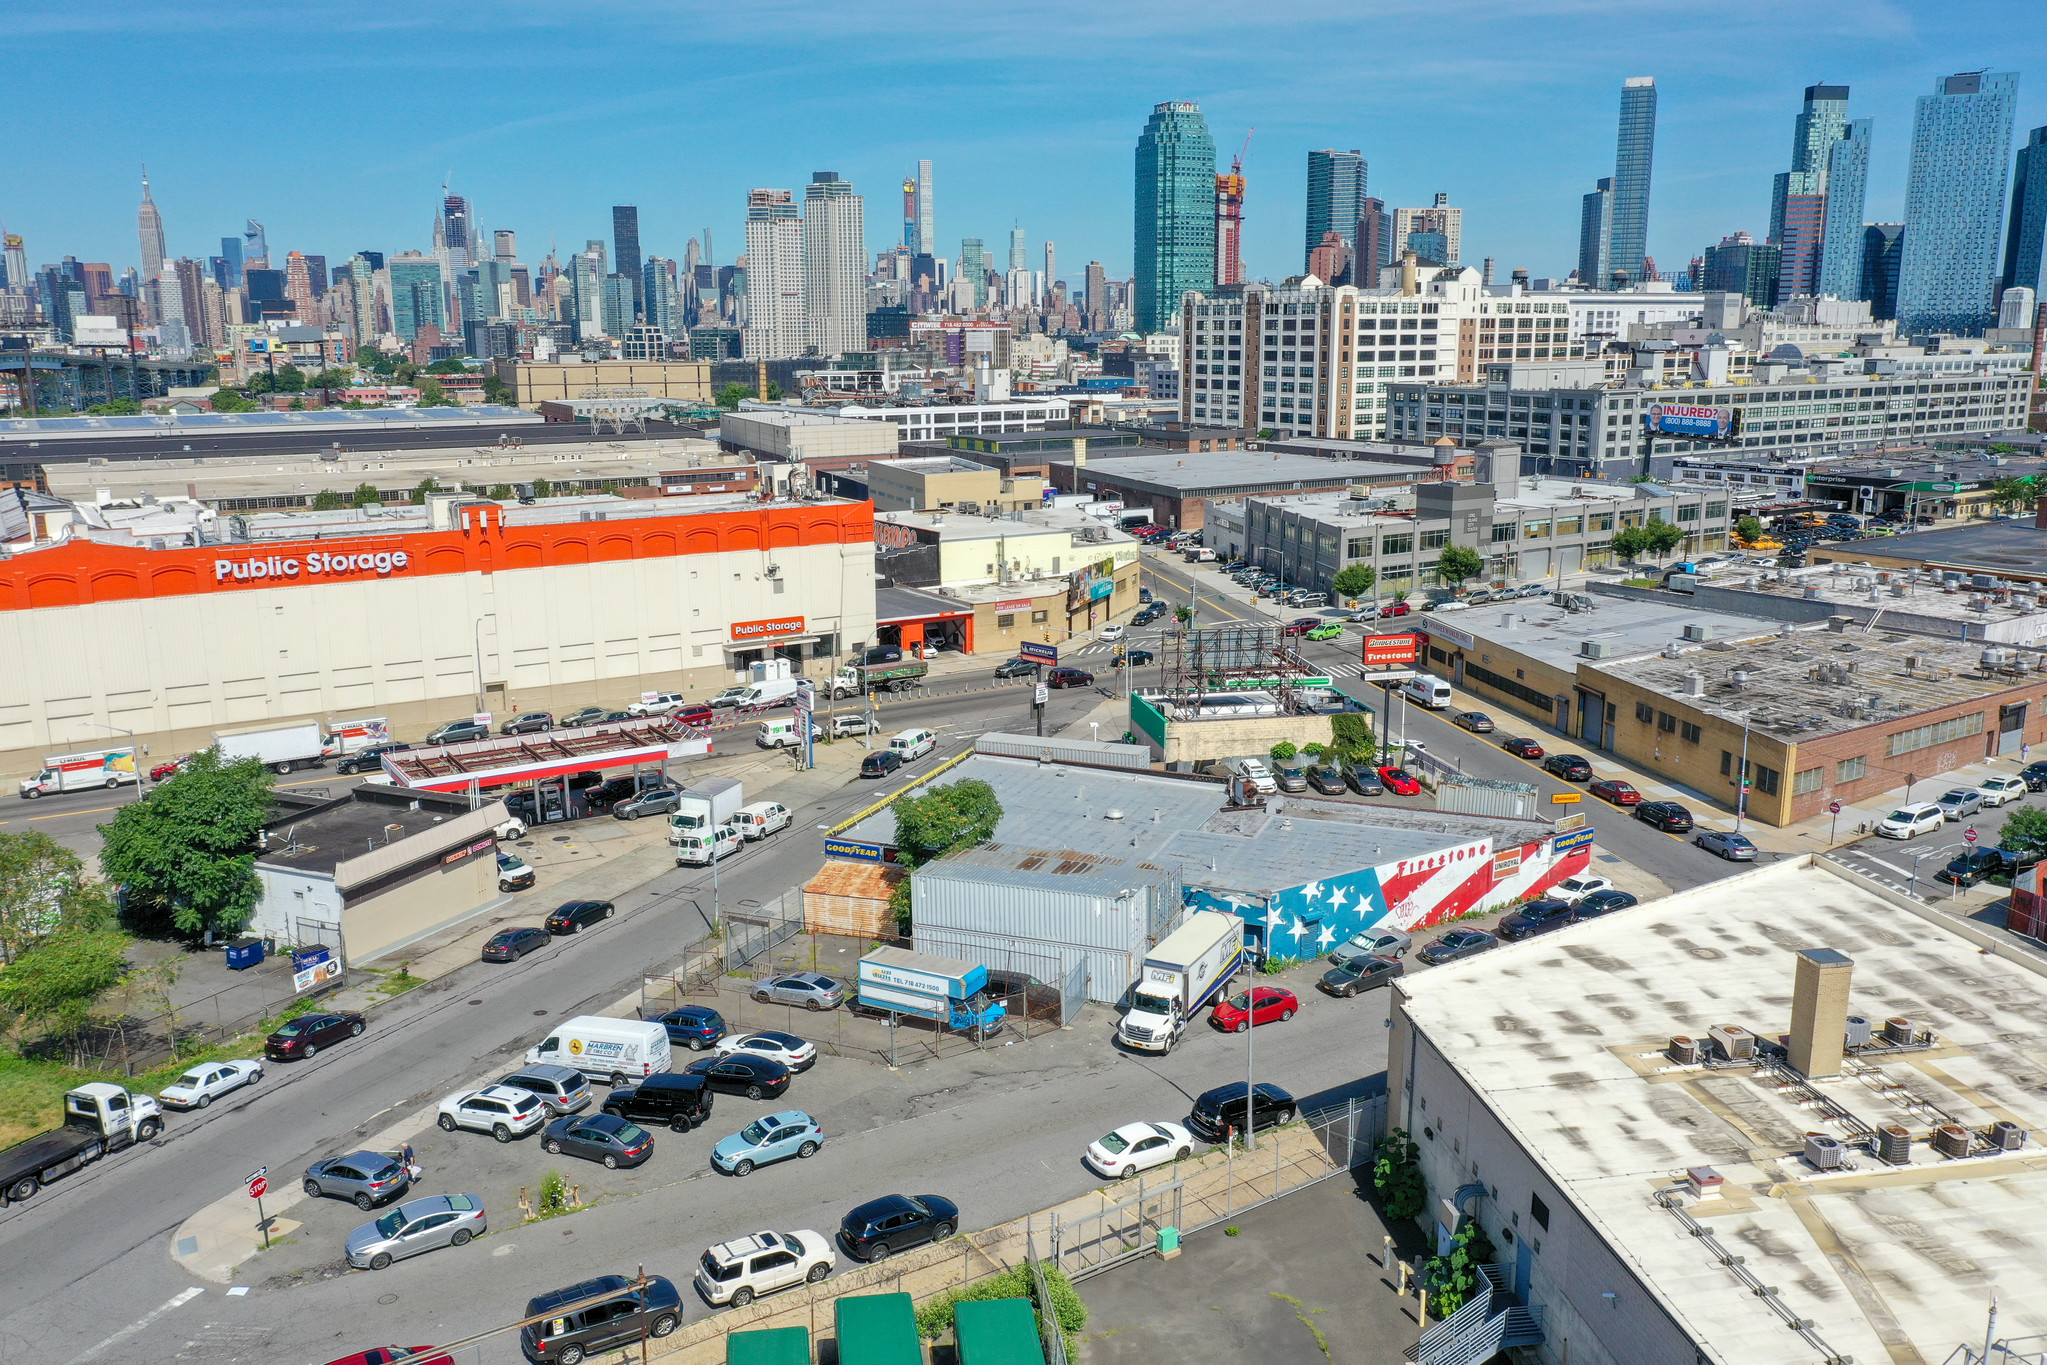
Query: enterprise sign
[274,566]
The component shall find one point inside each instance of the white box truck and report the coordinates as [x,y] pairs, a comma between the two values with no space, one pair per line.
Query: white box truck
[1185,971]
[615,1051]
[76,772]
[279,748]
[353,736]
[713,801]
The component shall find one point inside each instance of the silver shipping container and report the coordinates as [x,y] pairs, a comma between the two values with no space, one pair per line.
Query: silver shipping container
[1102,753]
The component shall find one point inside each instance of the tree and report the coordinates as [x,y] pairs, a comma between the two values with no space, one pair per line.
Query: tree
[44,890]
[1457,563]
[115,407]
[227,400]
[1749,529]
[496,390]
[370,358]
[1284,751]
[366,495]
[291,379]
[420,490]
[1185,616]
[944,820]
[729,396]
[327,500]
[432,395]
[55,983]
[185,856]
[1663,537]
[543,488]
[501,492]
[1352,736]
[1355,580]
[2014,492]
[1454,1278]
[448,366]
[296,405]
[2025,830]
[1630,541]
[1397,1177]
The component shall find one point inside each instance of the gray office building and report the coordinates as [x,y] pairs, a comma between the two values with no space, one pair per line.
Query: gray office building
[2027,240]
[1954,203]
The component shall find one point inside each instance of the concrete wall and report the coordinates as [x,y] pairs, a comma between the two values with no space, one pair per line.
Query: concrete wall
[384,925]
[1197,741]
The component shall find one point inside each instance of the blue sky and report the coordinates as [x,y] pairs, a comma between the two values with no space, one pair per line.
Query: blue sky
[335,123]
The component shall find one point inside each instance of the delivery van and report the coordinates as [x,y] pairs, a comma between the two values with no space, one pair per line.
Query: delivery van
[761,819]
[615,1051]
[699,848]
[780,732]
[913,744]
[1433,693]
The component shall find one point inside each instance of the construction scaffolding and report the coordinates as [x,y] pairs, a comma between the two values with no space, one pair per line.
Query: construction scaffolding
[1233,658]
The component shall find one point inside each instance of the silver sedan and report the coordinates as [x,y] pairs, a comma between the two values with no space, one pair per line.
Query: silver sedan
[440,1220]
[811,990]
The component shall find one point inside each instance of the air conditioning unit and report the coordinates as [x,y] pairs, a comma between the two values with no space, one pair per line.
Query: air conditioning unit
[1734,1041]
[1698,632]
[1595,649]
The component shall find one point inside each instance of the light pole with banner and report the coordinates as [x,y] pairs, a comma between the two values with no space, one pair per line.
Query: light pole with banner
[805,708]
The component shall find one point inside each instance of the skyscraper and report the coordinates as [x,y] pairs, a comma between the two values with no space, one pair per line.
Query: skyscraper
[1634,156]
[17,261]
[1882,246]
[974,269]
[775,328]
[1840,272]
[625,239]
[1821,120]
[255,246]
[1175,218]
[1051,266]
[2027,239]
[416,294]
[1097,296]
[231,257]
[1336,198]
[1954,202]
[1018,260]
[150,224]
[925,241]
[505,244]
[457,235]
[1229,226]
[834,265]
[657,287]
[1595,236]
[1374,243]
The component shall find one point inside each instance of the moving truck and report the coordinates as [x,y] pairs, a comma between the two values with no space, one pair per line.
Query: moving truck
[713,801]
[1185,971]
[616,1051]
[98,1119]
[279,748]
[75,772]
[948,992]
[353,736]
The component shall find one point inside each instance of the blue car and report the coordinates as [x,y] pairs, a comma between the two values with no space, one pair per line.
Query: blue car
[694,1026]
[771,1137]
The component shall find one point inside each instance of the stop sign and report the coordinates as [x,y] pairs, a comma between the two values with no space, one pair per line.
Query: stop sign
[258,1187]
[1833,807]
[1969,835]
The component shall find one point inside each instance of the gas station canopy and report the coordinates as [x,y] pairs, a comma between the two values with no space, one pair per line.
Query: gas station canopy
[507,759]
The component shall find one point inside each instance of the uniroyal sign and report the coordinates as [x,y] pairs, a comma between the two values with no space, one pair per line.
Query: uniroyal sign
[762,630]
[315,565]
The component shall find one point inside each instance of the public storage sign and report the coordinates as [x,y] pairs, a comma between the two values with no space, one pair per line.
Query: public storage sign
[762,630]
[313,565]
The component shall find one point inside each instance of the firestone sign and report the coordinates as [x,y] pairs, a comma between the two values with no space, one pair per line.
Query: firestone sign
[313,565]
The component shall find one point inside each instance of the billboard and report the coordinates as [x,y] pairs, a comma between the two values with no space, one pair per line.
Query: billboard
[1688,419]
[1389,649]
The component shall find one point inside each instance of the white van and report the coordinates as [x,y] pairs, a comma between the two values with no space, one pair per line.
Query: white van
[913,744]
[1433,693]
[616,1051]
[761,819]
[782,732]
[699,848]
[1906,821]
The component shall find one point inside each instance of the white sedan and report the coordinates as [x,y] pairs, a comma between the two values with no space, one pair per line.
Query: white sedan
[1112,632]
[202,1085]
[1571,890]
[500,1110]
[785,1048]
[1138,1147]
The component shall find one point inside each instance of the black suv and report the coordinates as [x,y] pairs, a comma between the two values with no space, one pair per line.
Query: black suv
[679,1101]
[527,723]
[458,732]
[620,1318]
[1972,867]
[881,1227]
[1221,1109]
[572,916]
[368,760]
[1536,917]
[2035,775]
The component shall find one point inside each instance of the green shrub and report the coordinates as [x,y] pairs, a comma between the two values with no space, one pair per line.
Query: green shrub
[554,1196]
[1397,1176]
[936,1318]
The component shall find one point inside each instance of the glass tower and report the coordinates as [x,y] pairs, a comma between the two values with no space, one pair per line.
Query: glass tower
[1175,219]
[625,243]
[1634,154]
[1841,239]
[1882,245]
[1954,202]
[1595,235]
[1821,120]
[1336,198]
[2024,246]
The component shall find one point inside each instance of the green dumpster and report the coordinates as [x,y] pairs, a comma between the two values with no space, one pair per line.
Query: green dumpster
[877,1329]
[998,1332]
[768,1346]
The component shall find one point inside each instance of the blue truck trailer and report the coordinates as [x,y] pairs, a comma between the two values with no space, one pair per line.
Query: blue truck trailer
[944,990]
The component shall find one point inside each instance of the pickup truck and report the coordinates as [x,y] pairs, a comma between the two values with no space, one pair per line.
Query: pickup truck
[854,679]
[98,1118]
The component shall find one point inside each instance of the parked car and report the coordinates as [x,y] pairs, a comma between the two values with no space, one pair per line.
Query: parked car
[1667,816]
[1363,777]
[1478,722]
[1138,1147]
[658,801]
[1570,767]
[1571,890]
[1395,609]
[1111,633]
[1736,848]
[527,723]
[1327,779]
[1910,820]
[370,760]
[1069,677]
[1616,792]
[170,768]
[572,917]
[2016,861]
[881,1227]
[1290,776]
[1995,791]
[1972,866]
[417,1225]
[1537,917]
[1457,944]
[1400,782]
[785,1048]
[202,1085]
[1015,668]
[513,873]
[584,715]
[560,1089]
[366,1179]
[570,1336]
[509,945]
[607,794]
[769,1138]
[1522,747]
[660,704]
[1603,903]
[738,1272]
[2034,775]
[1959,803]
[616,1142]
[881,763]
[1221,1111]
[851,727]
[742,1073]
[1380,942]
[695,1026]
[677,1100]
[1360,974]
[300,1039]
[808,989]
[499,1110]
[1259,1005]
[458,732]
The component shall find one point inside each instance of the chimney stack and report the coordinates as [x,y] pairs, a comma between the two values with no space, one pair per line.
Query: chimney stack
[1819,1012]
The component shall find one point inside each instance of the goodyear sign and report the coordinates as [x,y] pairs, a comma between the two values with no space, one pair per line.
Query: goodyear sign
[855,851]
[1577,838]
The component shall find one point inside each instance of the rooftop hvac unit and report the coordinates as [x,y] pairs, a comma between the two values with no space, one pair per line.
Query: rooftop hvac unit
[2006,1136]
[1823,1152]
[1698,632]
[1898,1030]
[1684,1051]
[1734,1041]
[1859,1031]
[1951,1140]
[1594,649]
[1695,684]
[1894,1145]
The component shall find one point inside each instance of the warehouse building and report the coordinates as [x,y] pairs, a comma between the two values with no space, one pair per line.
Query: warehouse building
[1173,486]
[1786,1119]
[680,381]
[814,438]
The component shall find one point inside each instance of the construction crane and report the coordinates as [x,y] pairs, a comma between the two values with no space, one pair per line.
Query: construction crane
[1229,219]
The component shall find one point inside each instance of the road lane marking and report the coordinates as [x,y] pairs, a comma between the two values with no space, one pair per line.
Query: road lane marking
[95,810]
[176,1301]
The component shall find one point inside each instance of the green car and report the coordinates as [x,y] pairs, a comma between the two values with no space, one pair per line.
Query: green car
[1329,632]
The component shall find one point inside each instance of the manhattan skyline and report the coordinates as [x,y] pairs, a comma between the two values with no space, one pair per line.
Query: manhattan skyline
[1009,146]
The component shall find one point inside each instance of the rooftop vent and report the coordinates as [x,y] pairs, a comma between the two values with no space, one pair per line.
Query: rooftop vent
[1112,814]
[1594,649]
[1699,631]
[1823,1151]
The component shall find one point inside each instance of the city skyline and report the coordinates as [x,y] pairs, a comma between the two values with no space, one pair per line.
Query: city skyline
[1520,181]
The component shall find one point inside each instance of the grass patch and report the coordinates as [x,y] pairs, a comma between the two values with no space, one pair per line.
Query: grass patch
[935,1318]
[557,1197]
[1305,1316]
[394,983]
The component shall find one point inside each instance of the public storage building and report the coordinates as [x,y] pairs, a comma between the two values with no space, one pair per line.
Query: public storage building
[418,614]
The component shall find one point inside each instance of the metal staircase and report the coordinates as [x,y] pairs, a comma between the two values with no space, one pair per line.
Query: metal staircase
[1489,1322]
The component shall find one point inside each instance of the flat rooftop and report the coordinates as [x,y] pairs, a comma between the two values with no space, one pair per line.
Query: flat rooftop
[1898,592]
[1194,473]
[1620,626]
[1562,1038]
[1179,824]
[350,827]
[2014,546]
[343,422]
[1028,521]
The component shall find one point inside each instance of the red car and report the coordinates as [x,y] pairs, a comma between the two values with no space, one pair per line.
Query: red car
[1399,782]
[1394,609]
[1522,748]
[1615,791]
[395,1355]
[698,715]
[167,770]
[1301,625]
[1259,1005]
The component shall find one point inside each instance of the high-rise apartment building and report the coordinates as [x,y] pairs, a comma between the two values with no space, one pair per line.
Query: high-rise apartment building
[1802,198]
[1634,158]
[1821,120]
[1051,265]
[618,307]
[1438,220]
[417,291]
[834,265]
[1739,264]
[923,239]
[1229,226]
[974,270]
[1595,236]
[775,327]
[662,304]
[1019,259]
[1840,270]
[1374,239]
[1336,198]
[626,258]
[1097,297]
[457,232]
[2026,240]
[298,285]
[1175,213]
[586,292]
[149,225]
[1883,247]
[1954,203]
[17,261]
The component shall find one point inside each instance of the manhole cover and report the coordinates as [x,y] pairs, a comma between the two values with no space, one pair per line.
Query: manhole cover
[476,1002]
[387,1298]
[539,1012]
[561,838]
[525,843]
